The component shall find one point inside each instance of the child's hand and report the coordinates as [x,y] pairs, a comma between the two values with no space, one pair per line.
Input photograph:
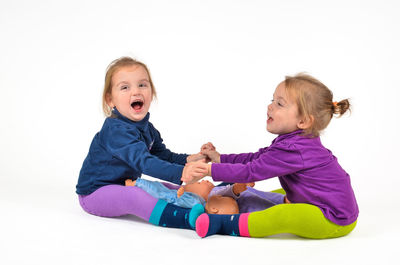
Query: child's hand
[196,157]
[240,187]
[194,171]
[212,155]
[208,146]
[180,191]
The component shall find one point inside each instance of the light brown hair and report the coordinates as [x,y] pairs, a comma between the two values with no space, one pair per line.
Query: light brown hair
[314,102]
[113,67]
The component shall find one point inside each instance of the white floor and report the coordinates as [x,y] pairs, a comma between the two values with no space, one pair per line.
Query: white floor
[215,65]
[39,227]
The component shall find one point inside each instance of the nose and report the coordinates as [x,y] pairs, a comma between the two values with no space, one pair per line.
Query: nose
[135,90]
[269,108]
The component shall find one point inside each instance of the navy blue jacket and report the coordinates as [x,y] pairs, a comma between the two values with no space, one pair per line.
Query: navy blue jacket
[125,149]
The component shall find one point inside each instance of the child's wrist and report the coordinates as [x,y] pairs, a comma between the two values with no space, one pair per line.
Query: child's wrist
[209,169]
[219,159]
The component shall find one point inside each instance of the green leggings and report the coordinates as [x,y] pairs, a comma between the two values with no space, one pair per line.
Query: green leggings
[304,220]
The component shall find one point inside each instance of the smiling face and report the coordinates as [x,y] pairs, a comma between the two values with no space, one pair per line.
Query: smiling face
[283,113]
[131,92]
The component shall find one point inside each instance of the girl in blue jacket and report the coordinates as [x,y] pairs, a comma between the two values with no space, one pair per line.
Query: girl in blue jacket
[127,146]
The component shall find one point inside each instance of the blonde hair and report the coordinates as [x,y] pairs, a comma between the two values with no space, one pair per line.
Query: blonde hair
[314,102]
[113,67]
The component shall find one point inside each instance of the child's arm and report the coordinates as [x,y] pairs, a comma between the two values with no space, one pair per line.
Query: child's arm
[242,158]
[278,161]
[161,151]
[210,151]
[194,171]
[127,145]
[196,157]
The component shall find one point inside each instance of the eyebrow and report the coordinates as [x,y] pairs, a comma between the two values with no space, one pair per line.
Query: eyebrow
[281,98]
[126,82]
[119,83]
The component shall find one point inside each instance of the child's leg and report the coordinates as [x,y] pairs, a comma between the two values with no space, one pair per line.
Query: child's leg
[116,200]
[301,219]
[304,220]
[170,215]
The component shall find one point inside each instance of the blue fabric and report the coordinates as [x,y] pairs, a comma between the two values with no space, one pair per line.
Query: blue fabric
[223,224]
[195,212]
[125,149]
[175,217]
[159,191]
[157,212]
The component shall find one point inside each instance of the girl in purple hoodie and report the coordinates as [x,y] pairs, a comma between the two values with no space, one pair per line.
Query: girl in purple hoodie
[319,200]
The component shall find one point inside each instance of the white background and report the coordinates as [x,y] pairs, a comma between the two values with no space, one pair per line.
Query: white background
[215,65]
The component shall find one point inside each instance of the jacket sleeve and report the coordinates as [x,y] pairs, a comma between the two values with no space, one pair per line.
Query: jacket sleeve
[124,143]
[241,158]
[276,161]
[161,151]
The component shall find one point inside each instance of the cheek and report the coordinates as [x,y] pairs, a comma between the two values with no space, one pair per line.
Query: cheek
[148,96]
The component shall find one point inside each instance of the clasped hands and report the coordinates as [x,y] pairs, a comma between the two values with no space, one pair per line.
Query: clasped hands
[197,166]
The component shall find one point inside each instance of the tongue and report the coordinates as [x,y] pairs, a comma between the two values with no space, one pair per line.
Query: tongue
[136,107]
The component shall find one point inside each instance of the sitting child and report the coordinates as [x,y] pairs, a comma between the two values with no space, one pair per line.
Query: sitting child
[230,199]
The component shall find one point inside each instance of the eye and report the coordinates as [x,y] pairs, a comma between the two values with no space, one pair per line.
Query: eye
[124,87]
[142,85]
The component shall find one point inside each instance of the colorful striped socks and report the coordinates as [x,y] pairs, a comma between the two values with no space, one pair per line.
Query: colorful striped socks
[169,215]
[234,225]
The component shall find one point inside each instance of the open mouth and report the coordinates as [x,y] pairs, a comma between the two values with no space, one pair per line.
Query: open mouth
[137,104]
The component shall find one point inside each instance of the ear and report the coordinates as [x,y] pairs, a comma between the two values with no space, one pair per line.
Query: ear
[109,100]
[305,122]
[213,210]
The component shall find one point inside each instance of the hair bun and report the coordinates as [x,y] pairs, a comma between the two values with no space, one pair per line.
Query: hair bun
[340,107]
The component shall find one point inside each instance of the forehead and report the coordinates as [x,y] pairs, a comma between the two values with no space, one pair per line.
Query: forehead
[130,72]
[283,92]
[280,90]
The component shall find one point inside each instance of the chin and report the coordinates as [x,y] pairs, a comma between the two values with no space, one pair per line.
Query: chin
[138,117]
[270,130]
